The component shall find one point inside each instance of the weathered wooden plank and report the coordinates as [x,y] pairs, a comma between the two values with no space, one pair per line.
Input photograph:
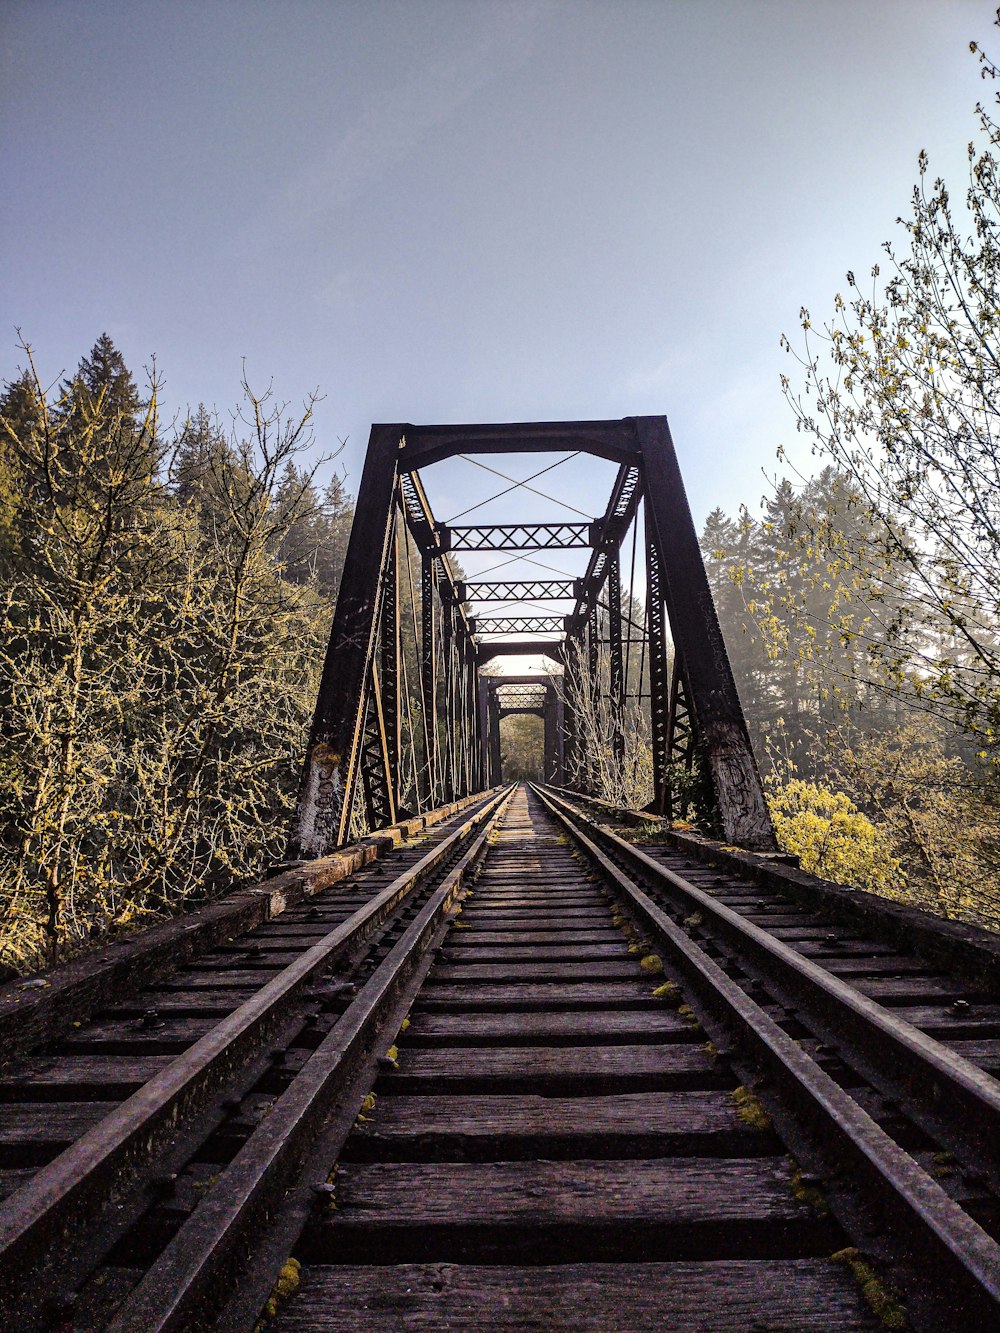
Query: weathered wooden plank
[583,953]
[541,973]
[557,993]
[977,1023]
[769,920]
[481,938]
[842,948]
[678,1207]
[31,1133]
[984,1053]
[631,1125]
[502,1193]
[668,1065]
[727,1296]
[252,978]
[854,969]
[125,1036]
[80,1077]
[907,990]
[604,1026]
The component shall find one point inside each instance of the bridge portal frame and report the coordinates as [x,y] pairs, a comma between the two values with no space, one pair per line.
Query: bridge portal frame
[355,724]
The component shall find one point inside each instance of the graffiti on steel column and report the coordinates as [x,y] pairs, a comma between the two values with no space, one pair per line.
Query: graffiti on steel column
[321,800]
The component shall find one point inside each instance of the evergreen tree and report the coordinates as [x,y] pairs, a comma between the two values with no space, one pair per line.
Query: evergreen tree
[104,373]
[19,417]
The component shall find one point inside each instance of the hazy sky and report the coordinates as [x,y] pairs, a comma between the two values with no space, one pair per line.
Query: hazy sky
[471,211]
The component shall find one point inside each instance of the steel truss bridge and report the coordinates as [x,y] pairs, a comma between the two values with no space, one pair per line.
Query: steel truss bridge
[375,756]
[478,1056]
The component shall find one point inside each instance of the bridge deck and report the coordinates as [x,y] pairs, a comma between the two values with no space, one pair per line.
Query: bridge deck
[633,1090]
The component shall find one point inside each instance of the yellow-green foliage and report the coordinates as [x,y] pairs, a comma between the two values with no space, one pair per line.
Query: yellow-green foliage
[288,1280]
[943,1165]
[652,963]
[831,836]
[882,1299]
[668,991]
[808,1194]
[158,661]
[750,1109]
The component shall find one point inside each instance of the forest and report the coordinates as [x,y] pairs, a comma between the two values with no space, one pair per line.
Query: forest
[166,598]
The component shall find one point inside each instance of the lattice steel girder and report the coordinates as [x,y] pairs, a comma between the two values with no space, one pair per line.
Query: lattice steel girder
[522,696]
[425,533]
[618,516]
[554,756]
[658,686]
[615,654]
[517,536]
[519,590]
[517,625]
[428,674]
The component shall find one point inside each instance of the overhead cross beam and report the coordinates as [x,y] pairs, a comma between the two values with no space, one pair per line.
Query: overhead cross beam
[518,625]
[417,736]
[516,536]
[520,590]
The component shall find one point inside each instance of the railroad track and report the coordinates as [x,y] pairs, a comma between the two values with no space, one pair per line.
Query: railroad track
[595,1093]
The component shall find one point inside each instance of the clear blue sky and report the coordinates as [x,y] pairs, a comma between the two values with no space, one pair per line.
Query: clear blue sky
[469,211]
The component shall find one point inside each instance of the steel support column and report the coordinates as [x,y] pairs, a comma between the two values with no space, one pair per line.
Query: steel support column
[715,703]
[390,655]
[428,675]
[658,686]
[330,771]
[615,658]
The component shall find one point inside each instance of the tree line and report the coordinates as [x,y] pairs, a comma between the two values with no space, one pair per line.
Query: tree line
[166,599]
[862,608]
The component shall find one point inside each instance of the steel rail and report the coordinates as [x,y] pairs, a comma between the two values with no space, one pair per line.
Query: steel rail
[953,1098]
[178,1290]
[935,1226]
[40,1223]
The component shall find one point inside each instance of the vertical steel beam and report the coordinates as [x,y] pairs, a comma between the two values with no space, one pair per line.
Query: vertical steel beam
[448,655]
[658,681]
[476,782]
[496,760]
[681,740]
[615,660]
[429,674]
[594,672]
[568,688]
[330,771]
[487,778]
[553,721]
[376,773]
[715,703]
[390,655]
